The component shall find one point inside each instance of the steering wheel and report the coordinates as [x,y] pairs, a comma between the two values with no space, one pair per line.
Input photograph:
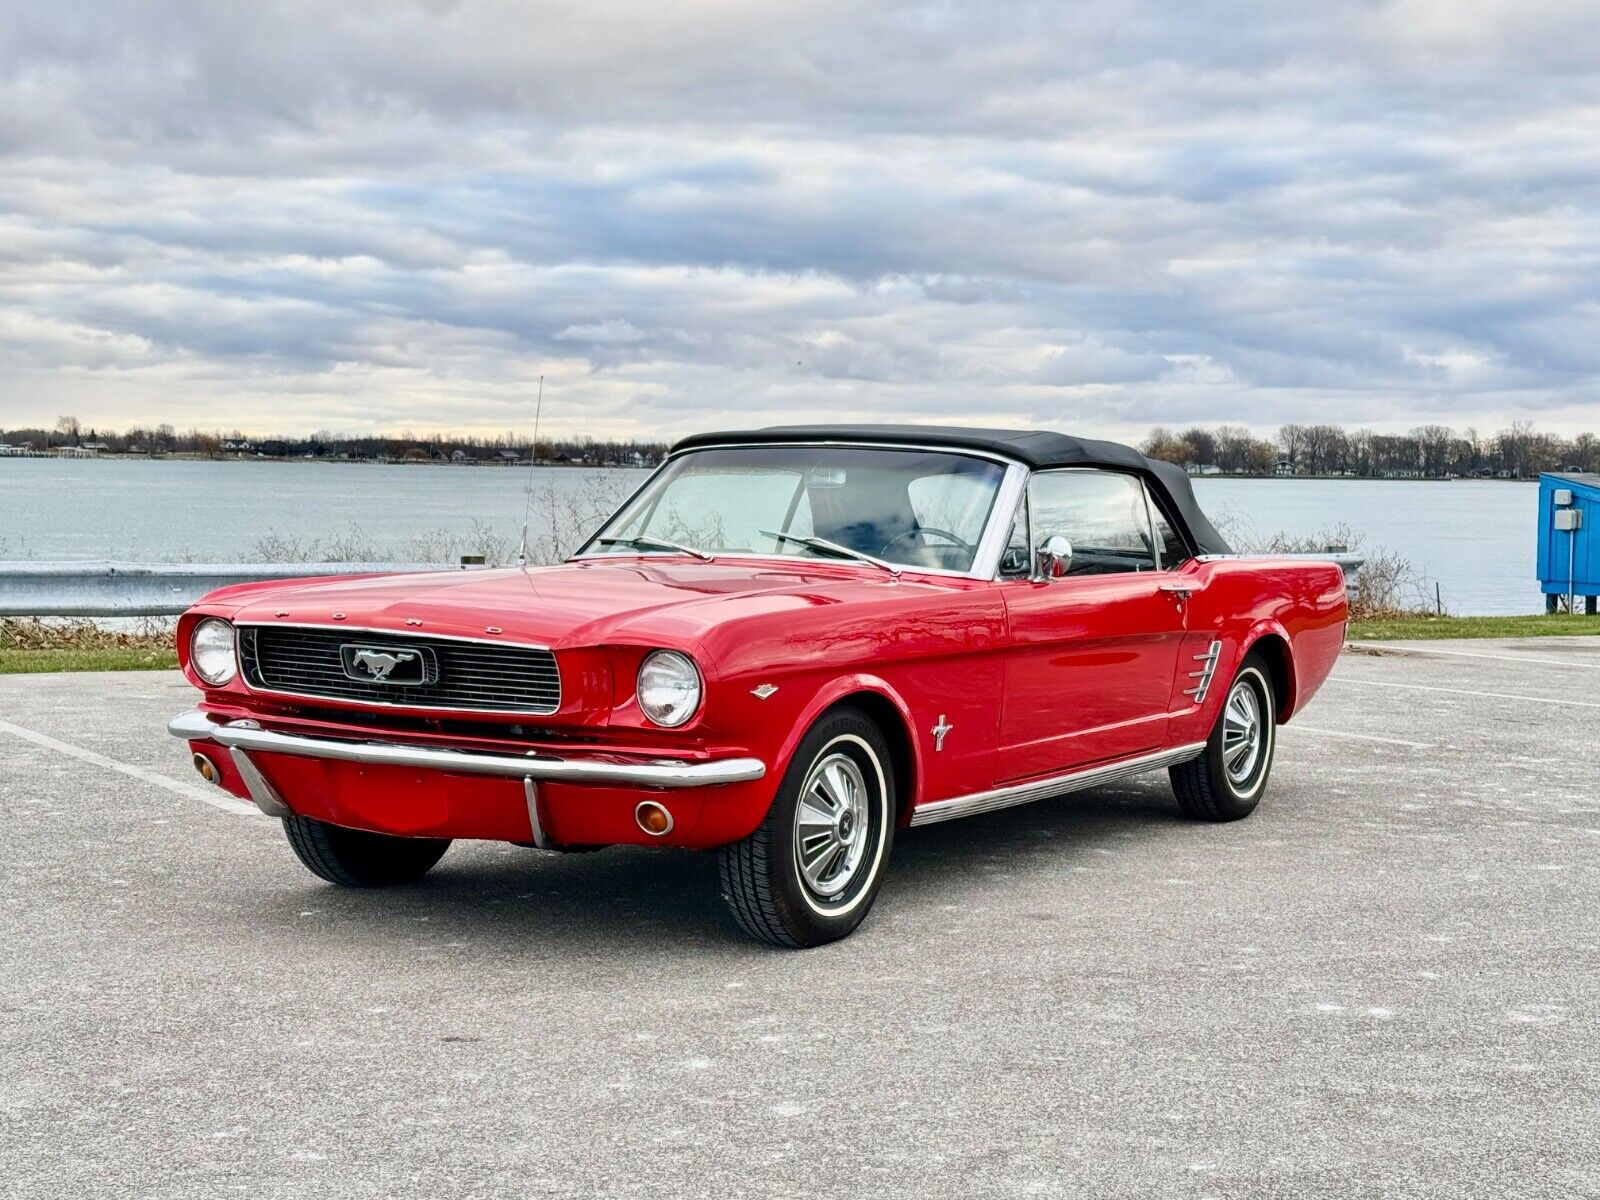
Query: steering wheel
[922,531]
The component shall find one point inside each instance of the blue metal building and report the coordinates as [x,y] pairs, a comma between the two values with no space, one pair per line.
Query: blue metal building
[1569,539]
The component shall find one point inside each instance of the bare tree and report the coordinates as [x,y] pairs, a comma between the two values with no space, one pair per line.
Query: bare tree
[1586,452]
[1291,440]
[1202,444]
[1358,452]
[1259,456]
[1168,446]
[1232,441]
[1433,445]
[1514,447]
[1323,448]
[70,429]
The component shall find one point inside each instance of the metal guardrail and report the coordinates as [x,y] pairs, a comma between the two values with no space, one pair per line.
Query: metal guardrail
[119,589]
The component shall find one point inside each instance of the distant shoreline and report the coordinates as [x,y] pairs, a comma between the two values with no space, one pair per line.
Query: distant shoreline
[591,466]
[328,461]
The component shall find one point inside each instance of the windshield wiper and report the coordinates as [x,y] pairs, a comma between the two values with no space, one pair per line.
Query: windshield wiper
[823,544]
[646,542]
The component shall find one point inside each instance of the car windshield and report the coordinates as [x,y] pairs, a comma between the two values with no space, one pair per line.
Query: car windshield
[910,508]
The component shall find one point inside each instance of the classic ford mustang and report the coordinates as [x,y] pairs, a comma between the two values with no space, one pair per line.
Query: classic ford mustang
[788,644]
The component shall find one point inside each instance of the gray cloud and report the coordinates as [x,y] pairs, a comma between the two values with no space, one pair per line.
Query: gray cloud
[282,215]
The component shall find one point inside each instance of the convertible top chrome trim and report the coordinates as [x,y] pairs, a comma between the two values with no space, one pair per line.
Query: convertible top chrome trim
[662,773]
[968,451]
[1055,785]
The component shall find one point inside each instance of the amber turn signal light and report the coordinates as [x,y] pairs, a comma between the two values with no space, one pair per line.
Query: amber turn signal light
[207,768]
[653,818]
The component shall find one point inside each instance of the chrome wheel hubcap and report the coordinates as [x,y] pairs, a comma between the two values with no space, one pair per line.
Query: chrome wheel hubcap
[830,825]
[1243,733]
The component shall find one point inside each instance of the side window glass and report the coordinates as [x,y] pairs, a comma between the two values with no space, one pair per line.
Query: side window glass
[1101,513]
[1173,552]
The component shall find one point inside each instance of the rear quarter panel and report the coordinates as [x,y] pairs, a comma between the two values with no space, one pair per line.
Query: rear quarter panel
[1240,602]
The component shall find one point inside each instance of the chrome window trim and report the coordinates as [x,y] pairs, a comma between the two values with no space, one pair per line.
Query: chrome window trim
[985,561]
[992,546]
[1020,509]
[412,707]
[1157,549]
[1154,507]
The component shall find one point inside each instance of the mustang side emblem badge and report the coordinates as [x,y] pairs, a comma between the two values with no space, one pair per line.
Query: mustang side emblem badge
[939,731]
[387,664]
[763,691]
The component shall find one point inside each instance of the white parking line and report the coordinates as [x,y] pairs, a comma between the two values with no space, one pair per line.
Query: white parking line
[1381,650]
[215,797]
[1360,737]
[1473,692]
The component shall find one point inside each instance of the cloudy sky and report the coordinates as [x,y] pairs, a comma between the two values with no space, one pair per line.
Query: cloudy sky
[397,214]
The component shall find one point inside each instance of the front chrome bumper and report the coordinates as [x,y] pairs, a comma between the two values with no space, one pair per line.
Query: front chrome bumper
[666,773]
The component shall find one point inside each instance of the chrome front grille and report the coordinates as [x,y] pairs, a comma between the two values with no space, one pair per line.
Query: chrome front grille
[462,675]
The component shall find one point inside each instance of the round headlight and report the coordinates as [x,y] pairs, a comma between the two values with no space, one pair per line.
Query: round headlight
[211,652]
[669,687]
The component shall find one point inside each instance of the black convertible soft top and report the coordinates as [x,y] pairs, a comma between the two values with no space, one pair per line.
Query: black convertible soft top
[1034,448]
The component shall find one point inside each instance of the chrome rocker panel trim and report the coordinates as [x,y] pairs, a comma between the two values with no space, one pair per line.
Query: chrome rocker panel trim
[1055,785]
[248,736]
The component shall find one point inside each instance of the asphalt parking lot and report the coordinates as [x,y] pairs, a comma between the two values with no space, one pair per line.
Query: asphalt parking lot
[1383,984]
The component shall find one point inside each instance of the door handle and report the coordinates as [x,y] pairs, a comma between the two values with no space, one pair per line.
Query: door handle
[1178,591]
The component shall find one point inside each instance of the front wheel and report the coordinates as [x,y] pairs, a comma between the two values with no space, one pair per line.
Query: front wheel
[355,858]
[1228,778]
[810,872]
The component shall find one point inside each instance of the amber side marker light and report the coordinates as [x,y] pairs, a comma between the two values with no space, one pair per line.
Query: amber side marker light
[207,768]
[653,819]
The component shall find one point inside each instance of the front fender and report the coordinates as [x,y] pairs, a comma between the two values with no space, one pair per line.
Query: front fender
[841,688]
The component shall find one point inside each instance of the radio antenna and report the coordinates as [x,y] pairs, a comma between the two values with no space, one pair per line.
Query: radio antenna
[533,457]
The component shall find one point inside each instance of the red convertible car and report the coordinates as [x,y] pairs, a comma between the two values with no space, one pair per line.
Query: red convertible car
[788,644]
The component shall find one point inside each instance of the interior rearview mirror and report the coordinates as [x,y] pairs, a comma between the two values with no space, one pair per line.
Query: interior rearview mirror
[1053,559]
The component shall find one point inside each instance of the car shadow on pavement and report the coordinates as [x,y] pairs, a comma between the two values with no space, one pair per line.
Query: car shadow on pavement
[632,900]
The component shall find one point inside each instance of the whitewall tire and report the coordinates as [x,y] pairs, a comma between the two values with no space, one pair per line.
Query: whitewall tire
[810,873]
[1228,779]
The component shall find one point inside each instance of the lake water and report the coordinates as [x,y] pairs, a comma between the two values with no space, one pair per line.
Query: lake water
[1475,538]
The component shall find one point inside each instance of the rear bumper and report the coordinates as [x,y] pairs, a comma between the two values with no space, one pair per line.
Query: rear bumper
[543,768]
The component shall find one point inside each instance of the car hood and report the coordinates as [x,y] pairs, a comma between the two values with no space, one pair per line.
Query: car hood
[578,604]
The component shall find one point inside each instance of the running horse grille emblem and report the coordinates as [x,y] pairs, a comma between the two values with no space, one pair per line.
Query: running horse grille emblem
[388,665]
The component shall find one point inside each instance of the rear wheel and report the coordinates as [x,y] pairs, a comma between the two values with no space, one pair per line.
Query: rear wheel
[355,858]
[1228,778]
[810,872]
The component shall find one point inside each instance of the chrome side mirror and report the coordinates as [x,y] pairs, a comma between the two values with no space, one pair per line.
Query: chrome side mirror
[1053,559]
